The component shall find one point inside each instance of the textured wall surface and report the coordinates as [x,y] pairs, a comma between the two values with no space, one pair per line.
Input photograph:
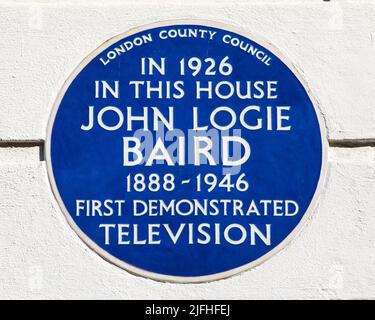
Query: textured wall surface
[333,46]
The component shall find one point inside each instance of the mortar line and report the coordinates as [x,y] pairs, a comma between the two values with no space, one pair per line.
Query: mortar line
[351,143]
[21,143]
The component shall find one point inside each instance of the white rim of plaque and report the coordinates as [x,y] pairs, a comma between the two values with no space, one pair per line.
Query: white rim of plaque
[181,279]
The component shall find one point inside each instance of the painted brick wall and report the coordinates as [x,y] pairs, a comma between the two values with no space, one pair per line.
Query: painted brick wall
[333,46]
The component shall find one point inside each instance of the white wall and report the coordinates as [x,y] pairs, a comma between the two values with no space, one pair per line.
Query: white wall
[333,45]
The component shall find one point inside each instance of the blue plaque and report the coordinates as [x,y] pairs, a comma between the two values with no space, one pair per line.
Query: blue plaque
[186,151]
